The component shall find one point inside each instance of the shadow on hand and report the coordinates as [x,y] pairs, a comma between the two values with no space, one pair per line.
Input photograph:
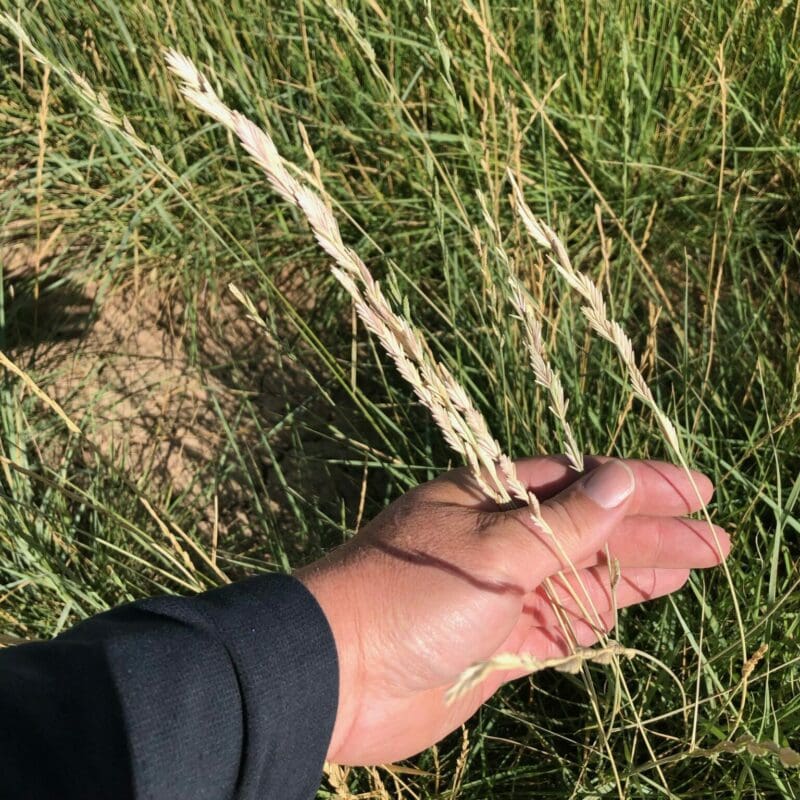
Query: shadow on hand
[423,559]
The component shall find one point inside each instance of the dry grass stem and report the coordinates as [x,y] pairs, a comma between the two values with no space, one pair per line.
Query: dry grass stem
[571,663]
[34,387]
[97,101]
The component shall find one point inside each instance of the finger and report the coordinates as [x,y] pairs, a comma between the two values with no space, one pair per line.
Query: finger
[574,525]
[662,488]
[589,592]
[545,476]
[544,643]
[553,642]
[527,630]
[666,542]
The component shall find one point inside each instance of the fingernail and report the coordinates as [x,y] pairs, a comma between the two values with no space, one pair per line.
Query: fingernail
[609,485]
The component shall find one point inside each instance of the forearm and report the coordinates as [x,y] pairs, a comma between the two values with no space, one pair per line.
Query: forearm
[231,693]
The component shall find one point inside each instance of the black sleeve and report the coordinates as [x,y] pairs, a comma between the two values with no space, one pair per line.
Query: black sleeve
[229,694]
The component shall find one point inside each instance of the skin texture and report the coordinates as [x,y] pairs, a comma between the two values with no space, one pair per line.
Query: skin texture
[442,579]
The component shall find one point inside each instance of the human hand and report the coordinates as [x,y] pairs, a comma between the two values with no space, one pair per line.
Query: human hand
[441,579]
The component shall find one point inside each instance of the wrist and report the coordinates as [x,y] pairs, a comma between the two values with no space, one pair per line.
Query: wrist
[332,587]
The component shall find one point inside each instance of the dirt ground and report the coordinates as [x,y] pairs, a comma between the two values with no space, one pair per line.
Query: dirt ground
[119,363]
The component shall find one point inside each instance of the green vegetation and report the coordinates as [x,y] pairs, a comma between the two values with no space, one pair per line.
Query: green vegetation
[667,159]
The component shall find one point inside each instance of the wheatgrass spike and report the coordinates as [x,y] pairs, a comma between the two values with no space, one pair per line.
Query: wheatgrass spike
[603,325]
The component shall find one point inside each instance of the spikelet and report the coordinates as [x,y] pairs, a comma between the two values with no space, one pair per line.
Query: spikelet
[543,372]
[196,89]
[571,663]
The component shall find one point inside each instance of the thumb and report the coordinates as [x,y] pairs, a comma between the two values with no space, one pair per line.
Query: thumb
[580,520]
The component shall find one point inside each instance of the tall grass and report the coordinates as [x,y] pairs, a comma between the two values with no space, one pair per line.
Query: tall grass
[658,140]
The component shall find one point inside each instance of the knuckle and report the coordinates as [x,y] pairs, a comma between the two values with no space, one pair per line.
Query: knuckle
[494,563]
[567,521]
[646,581]
[658,542]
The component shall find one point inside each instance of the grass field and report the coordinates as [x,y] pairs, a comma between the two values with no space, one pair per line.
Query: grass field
[660,139]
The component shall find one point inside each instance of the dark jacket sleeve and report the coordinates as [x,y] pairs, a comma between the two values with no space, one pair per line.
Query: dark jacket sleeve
[229,694]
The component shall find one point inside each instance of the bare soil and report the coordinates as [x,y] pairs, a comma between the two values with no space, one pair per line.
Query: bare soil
[168,399]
